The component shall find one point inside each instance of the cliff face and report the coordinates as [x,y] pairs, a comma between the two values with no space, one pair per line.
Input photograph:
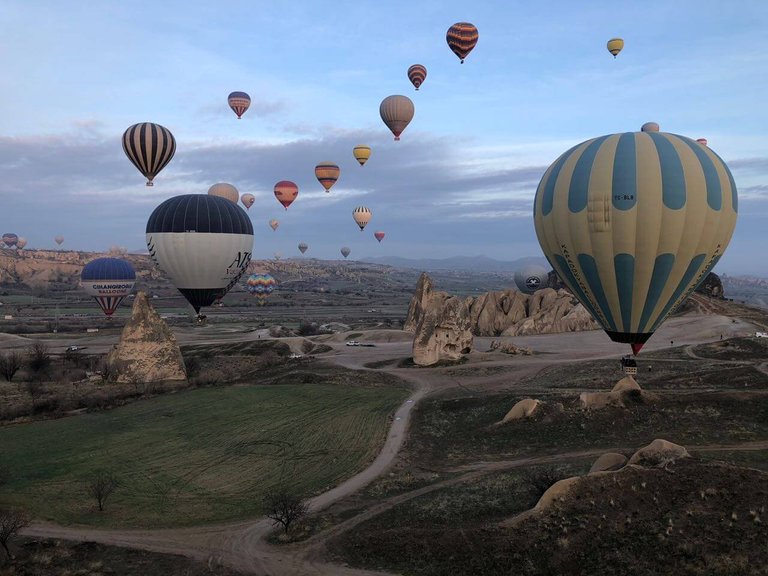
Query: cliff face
[147,351]
[509,312]
[712,286]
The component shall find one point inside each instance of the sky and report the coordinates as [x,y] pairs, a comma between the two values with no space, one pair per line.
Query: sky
[462,180]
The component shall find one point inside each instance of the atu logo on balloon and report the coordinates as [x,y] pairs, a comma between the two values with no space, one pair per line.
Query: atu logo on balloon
[239,263]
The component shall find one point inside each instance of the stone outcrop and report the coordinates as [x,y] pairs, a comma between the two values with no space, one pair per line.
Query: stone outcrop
[621,392]
[608,462]
[147,351]
[510,312]
[658,453]
[712,286]
[443,330]
[558,492]
[525,408]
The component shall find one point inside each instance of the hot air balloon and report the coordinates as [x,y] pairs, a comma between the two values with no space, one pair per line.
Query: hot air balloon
[224,190]
[327,173]
[59,240]
[649,127]
[702,141]
[261,286]
[286,192]
[345,251]
[203,243]
[632,223]
[396,112]
[108,280]
[303,247]
[21,242]
[278,255]
[362,153]
[274,224]
[461,38]
[362,216]
[416,74]
[239,102]
[615,45]
[10,239]
[149,147]
[379,235]
[531,278]
[247,200]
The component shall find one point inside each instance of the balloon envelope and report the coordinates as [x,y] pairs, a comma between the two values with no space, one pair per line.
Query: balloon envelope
[531,278]
[396,111]
[303,247]
[224,190]
[649,127]
[21,242]
[247,200]
[379,235]
[239,102]
[59,240]
[108,280]
[417,74]
[345,251]
[202,242]
[274,224]
[615,46]
[327,173]
[149,147]
[632,223]
[286,192]
[362,153]
[462,38]
[362,216]
[702,141]
[10,239]
[261,286]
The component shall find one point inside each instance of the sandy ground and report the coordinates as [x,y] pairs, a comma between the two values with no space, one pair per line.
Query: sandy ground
[242,545]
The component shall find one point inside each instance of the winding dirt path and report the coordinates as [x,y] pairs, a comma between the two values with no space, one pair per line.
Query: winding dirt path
[242,545]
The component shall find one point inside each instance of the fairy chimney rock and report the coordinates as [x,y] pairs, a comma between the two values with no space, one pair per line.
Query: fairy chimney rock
[147,351]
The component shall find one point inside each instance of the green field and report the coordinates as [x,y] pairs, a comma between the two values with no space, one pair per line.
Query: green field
[201,456]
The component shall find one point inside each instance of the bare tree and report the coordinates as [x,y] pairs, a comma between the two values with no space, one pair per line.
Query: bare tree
[101,487]
[10,363]
[35,389]
[38,358]
[284,507]
[12,521]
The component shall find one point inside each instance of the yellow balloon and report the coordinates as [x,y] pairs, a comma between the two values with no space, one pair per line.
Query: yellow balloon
[615,46]
[632,223]
[362,153]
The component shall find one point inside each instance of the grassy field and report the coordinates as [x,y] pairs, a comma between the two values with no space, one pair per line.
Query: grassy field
[200,456]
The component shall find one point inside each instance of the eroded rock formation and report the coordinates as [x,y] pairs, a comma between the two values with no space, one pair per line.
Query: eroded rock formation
[443,328]
[147,351]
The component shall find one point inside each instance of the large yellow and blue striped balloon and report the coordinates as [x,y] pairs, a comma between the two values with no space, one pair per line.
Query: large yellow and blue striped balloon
[632,223]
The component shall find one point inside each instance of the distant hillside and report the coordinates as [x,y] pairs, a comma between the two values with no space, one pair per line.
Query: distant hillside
[746,289]
[467,263]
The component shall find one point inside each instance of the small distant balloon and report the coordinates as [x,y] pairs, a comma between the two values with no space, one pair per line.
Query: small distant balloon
[261,286]
[531,278]
[239,102]
[247,200]
[303,247]
[274,224]
[362,153]
[417,74]
[649,127]
[615,46]
[224,190]
[379,235]
[21,242]
[149,147]
[10,239]
[702,141]
[462,38]
[362,216]
[59,240]
[286,192]
[327,173]
[345,251]
[397,112]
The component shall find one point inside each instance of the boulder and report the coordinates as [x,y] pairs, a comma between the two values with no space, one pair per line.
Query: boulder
[625,384]
[525,408]
[443,331]
[147,351]
[658,453]
[608,462]
[493,312]
[556,493]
